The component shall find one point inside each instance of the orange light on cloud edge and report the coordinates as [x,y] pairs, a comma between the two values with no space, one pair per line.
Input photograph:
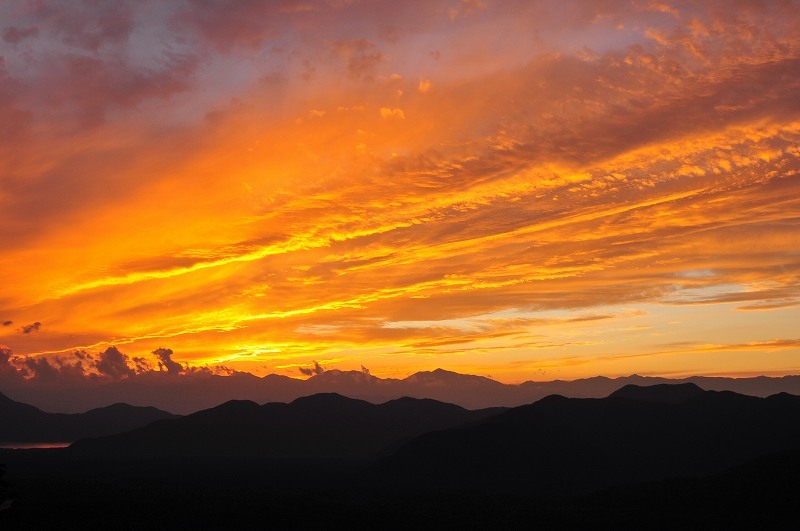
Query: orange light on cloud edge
[523,191]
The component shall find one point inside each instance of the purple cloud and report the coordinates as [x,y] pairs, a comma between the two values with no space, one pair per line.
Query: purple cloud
[164,356]
[114,364]
[33,327]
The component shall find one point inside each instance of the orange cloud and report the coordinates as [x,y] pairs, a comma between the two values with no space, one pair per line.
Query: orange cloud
[277,185]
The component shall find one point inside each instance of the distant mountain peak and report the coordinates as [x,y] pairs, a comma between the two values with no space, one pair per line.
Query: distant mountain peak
[235,405]
[553,398]
[26,423]
[325,398]
[664,393]
[119,406]
[445,377]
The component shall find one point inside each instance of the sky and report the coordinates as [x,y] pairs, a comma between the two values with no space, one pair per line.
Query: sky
[527,190]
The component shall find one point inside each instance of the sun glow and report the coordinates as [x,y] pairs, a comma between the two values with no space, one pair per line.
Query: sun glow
[543,199]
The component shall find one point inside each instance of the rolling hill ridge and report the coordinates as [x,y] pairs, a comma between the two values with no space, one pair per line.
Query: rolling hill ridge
[320,427]
[637,434]
[26,423]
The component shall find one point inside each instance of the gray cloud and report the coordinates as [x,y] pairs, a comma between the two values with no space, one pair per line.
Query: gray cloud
[83,355]
[360,56]
[86,25]
[41,369]
[13,35]
[114,364]
[165,361]
[5,355]
[228,24]
[141,364]
[317,370]
[33,327]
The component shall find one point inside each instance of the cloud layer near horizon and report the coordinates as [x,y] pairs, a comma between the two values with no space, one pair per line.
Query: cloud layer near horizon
[508,188]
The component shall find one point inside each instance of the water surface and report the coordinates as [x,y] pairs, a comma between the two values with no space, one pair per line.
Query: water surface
[31,445]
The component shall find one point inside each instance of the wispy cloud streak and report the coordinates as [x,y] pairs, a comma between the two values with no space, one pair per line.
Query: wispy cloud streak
[404,185]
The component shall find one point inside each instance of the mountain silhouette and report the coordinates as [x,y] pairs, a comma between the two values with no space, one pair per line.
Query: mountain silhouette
[320,427]
[26,423]
[666,393]
[567,445]
[641,457]
[186,394]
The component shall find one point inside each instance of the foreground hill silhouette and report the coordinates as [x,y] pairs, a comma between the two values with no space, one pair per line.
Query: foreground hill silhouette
[189,393]
[555,445]
[316,428]
[24,423]
[665,393]
[760,494]
[561,445]
[661,457]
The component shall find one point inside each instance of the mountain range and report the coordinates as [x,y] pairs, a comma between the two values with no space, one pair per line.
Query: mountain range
[567,445]
[184,394]
[316,428]
[25,423]
[671,454]
[554,445]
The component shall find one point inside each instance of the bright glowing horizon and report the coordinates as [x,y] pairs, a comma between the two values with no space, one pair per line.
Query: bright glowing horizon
[527,190]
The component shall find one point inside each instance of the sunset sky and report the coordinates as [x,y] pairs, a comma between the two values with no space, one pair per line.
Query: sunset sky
[527,190]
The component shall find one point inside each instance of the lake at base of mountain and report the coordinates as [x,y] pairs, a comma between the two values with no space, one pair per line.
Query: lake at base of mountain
[32,445]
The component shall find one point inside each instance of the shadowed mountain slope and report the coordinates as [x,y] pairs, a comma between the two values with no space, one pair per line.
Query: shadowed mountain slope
[665,393]
[316,428]
[760,494]
[25,423]
[560,445]
[505,470]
